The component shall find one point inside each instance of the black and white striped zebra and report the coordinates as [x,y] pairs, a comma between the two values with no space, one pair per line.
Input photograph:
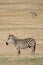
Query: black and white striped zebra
[22,43]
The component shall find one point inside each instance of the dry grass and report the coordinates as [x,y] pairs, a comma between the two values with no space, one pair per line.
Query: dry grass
[21,60]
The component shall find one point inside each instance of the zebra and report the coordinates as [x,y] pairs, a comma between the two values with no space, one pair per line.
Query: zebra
[22,43]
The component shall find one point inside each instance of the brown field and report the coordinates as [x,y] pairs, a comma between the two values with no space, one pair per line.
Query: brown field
[23,18]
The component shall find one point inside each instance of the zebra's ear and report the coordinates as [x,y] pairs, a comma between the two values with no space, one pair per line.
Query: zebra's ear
[9,36]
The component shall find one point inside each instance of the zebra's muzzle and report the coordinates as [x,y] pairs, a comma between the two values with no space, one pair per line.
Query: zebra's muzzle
[6,43]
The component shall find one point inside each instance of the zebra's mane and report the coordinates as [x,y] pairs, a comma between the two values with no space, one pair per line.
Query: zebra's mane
[13,36]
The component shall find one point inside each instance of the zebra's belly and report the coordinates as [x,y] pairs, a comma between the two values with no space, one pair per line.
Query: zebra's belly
[23,46]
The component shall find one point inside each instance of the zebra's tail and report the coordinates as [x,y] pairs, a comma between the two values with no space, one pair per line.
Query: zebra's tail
[34,46]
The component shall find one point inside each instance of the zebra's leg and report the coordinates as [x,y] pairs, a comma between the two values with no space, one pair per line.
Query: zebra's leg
[33,48]
[18,50]
[33,51]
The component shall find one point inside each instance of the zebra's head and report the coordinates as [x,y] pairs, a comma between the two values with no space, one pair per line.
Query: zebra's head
[11,39]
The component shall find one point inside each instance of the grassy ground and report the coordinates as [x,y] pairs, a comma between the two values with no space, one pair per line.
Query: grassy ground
[21,60]
[8,56]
